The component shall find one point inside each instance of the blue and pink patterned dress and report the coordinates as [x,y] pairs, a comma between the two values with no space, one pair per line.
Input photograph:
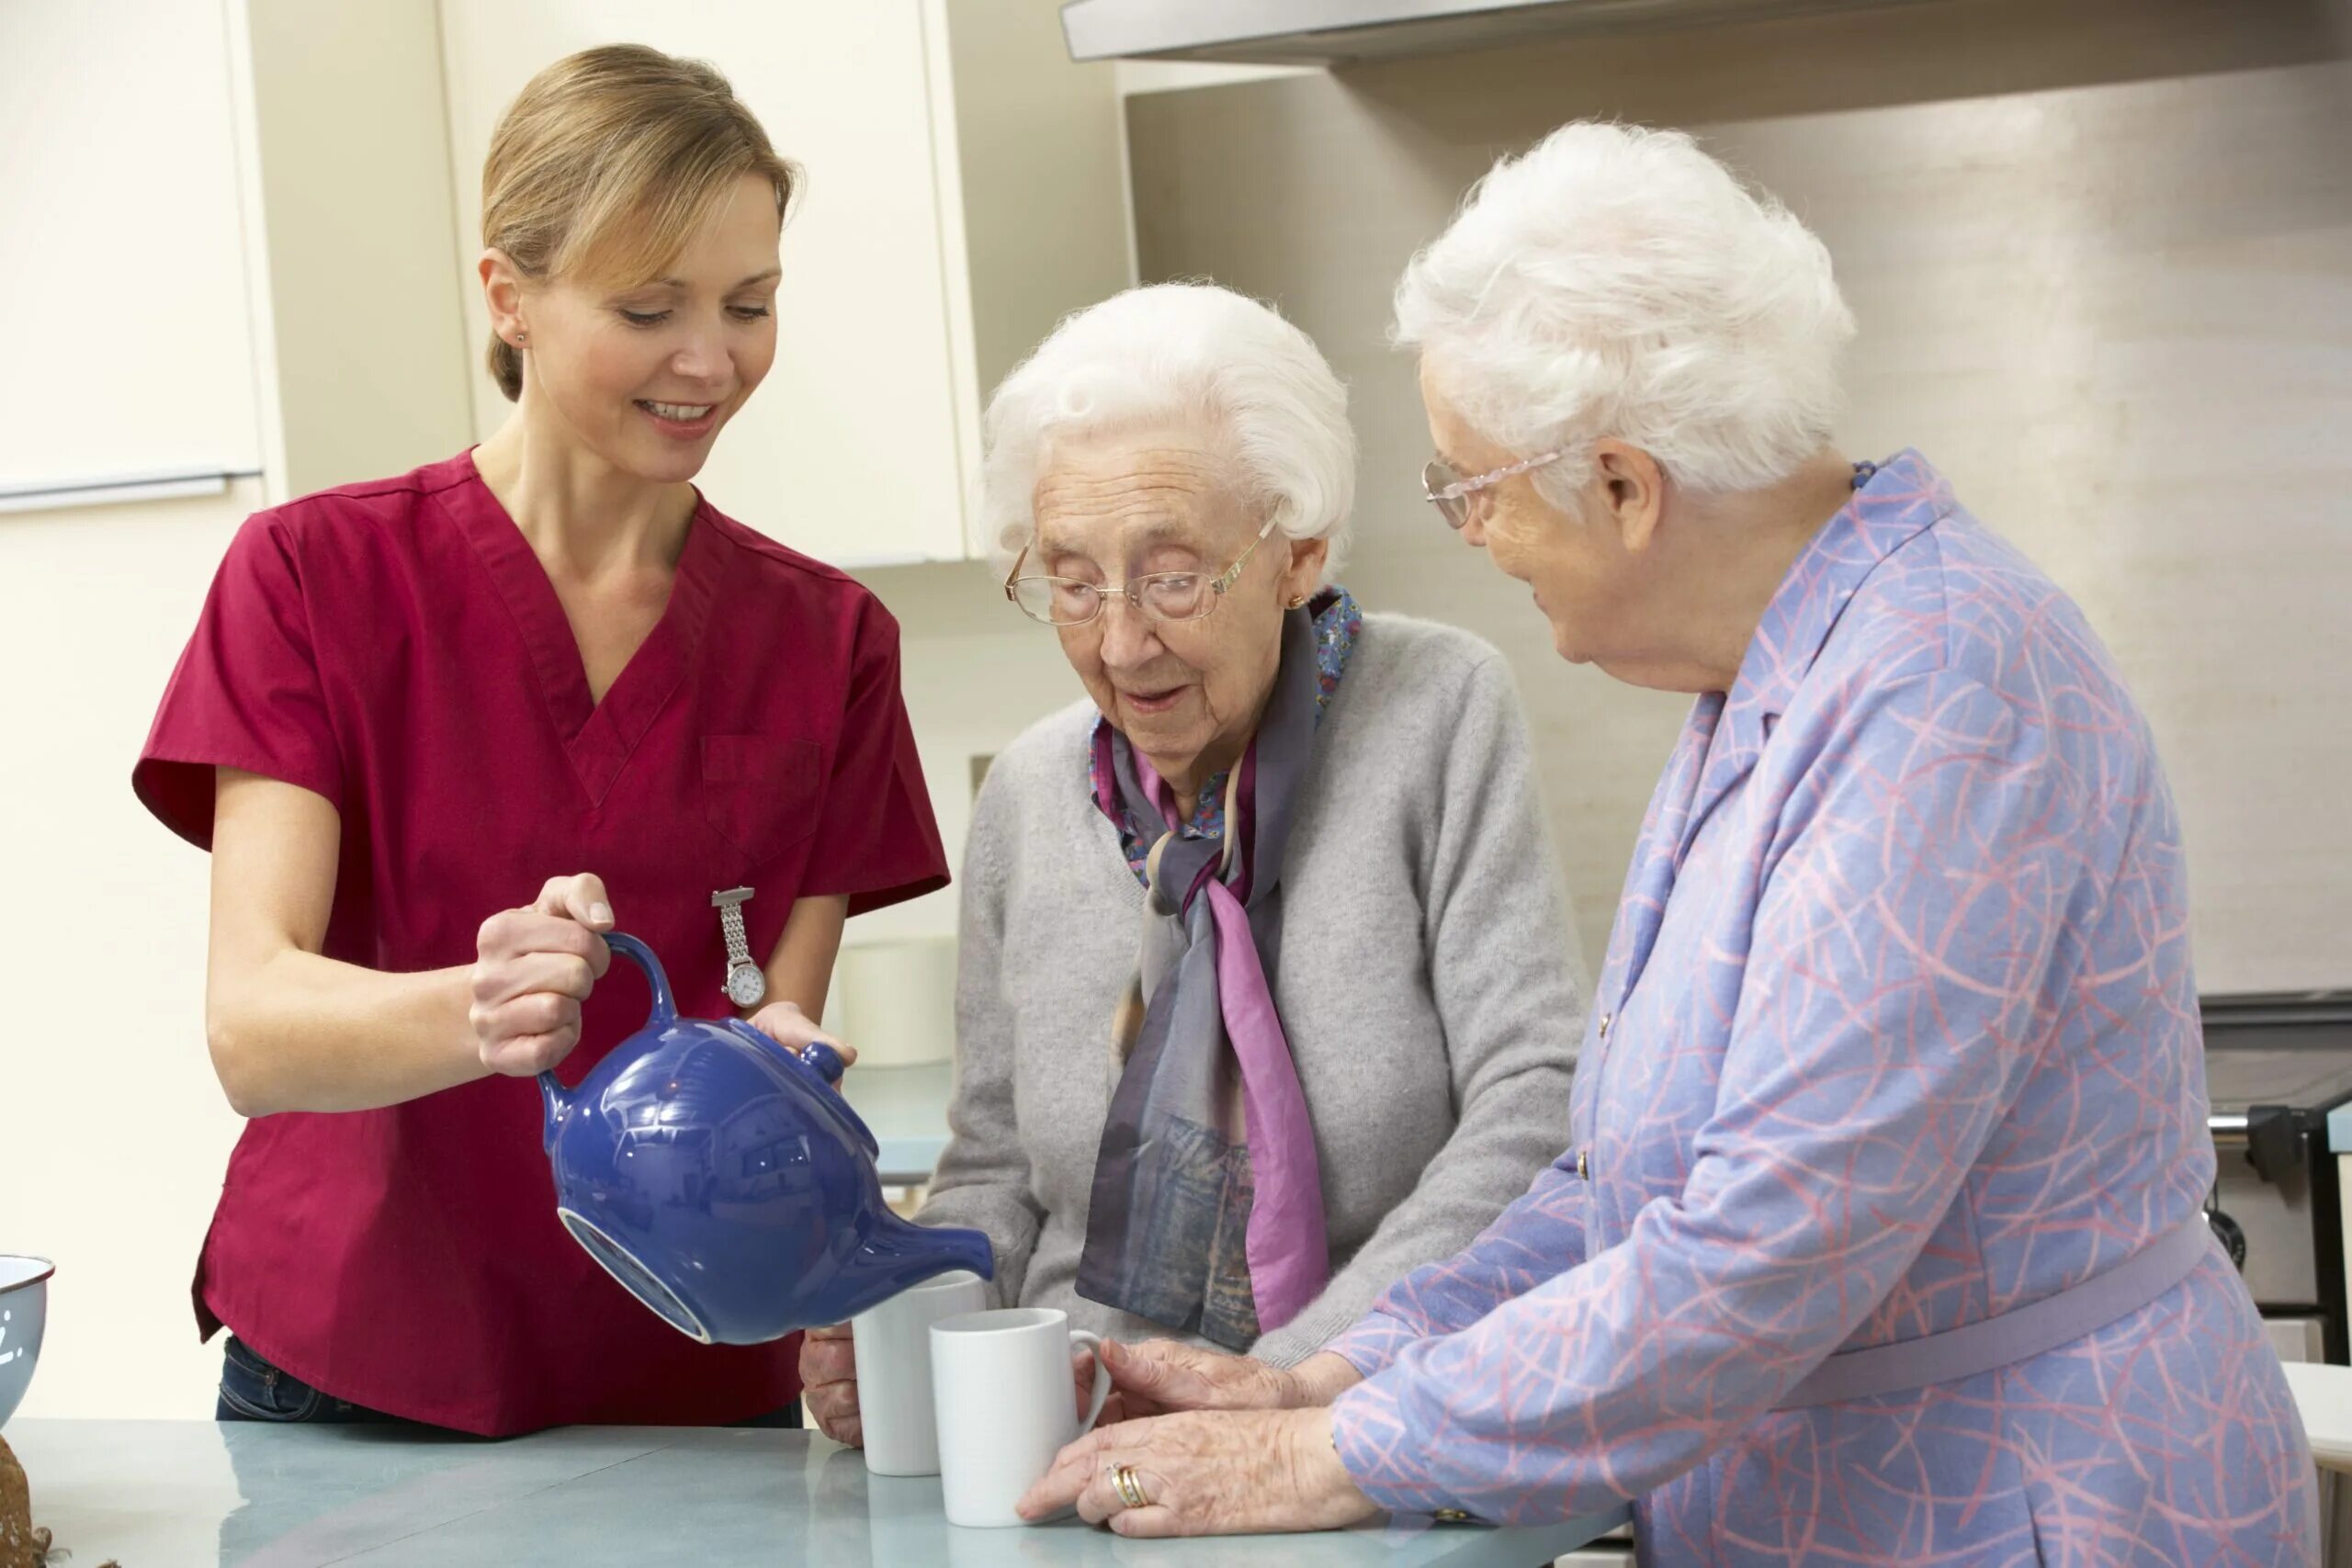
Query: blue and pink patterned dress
[1897,1031]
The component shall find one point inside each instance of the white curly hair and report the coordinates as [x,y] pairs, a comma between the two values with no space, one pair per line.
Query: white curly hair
[1613,281]
[1182,353]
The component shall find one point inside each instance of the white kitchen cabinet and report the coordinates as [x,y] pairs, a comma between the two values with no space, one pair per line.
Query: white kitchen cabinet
[122,277]
[963,189]
[224,240]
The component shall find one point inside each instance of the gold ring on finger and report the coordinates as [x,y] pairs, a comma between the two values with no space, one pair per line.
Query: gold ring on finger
[1129,1486]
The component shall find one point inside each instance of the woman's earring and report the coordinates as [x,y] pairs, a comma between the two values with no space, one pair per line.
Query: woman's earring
[519,339]
[1299,603]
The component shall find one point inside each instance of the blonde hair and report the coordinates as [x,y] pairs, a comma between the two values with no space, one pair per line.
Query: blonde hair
[605,163]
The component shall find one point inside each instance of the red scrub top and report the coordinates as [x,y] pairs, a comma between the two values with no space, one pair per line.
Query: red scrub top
[396,648]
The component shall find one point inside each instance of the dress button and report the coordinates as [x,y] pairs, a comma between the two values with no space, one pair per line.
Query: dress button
[1452,1516]
[1584,1165]
[1605,1020]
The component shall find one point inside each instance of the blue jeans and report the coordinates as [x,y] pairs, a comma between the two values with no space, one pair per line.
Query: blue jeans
[253,1390]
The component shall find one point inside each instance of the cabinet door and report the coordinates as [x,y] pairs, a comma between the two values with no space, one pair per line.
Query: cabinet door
[123,295]
[849,450]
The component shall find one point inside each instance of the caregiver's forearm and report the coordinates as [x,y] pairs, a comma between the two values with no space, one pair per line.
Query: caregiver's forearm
[297,1032]
[288,1029]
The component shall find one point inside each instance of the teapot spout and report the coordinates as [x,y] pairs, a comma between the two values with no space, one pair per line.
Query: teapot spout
[901,1254]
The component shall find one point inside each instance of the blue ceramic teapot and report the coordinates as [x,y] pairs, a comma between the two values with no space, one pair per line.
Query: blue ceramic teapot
[727,1184]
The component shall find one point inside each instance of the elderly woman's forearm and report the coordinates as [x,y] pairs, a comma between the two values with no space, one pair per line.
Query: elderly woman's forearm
[1563,1401]
[1537,1237]
[1322,1378]
[1540,1235]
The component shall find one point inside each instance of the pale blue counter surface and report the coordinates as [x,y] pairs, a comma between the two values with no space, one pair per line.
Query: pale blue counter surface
[176,1493]
[2339,1130]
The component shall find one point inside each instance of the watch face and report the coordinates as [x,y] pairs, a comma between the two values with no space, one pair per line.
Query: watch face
[746,985]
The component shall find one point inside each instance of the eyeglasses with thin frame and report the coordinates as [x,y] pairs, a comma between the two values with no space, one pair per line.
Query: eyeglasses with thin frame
[1158,595]
[1450,492]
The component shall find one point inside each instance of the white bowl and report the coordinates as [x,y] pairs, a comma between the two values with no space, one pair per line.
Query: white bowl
[24,1310]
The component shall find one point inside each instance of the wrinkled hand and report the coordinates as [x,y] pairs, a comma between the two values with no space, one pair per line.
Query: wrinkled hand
[829,1381]
[532,967]
[785,1023]
[1206,1472]
[1161,1376]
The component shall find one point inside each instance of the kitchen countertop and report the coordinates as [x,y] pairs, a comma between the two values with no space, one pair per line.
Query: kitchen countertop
[2324,1396]
[164,1494]
[907,1109]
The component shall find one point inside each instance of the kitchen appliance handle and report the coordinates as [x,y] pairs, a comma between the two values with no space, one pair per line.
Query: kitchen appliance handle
[2270,1135]
[103,489]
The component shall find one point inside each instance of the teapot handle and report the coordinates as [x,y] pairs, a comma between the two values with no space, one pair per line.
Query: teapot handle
[553,1097]
[665,1005]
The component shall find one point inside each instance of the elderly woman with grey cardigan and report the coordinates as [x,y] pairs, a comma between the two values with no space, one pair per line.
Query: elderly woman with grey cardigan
[1268,991]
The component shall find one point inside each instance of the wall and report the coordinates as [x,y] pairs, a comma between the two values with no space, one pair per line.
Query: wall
[2103,265]
[110,217]
[117,1133]
[1018,102]
[2115,304]
[975,671]
[2101,256]
[366,331]
[862,319]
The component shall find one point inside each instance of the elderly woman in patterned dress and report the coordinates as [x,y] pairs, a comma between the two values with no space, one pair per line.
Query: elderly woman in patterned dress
[1878,1233]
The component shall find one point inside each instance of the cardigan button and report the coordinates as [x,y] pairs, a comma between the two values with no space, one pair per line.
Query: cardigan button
[1584,1165]
[1605,1020]
[1450,1516]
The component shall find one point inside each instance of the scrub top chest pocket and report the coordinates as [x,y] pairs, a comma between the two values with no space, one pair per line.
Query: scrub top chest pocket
[759,792]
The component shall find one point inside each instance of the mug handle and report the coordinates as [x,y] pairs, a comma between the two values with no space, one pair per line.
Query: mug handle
[1093,1341]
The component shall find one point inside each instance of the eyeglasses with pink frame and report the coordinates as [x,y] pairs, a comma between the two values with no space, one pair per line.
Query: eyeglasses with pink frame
[1451,493]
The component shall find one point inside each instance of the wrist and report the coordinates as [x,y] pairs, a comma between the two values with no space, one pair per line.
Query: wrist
[466,1059]
[1320,1379]
[1324,1481]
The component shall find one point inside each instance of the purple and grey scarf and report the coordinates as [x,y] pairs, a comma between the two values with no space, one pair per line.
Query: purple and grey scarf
[1207,1207]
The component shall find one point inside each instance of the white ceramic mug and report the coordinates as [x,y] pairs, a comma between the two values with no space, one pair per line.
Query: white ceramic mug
[1006,1406]
[893,1348]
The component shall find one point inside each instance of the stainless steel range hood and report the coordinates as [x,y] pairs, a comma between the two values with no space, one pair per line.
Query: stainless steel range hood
[1334,32]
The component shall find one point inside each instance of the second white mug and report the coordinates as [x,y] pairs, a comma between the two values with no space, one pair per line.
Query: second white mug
[1006,1406]
[893,1344]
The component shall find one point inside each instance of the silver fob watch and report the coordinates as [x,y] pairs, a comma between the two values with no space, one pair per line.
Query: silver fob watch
[745,984]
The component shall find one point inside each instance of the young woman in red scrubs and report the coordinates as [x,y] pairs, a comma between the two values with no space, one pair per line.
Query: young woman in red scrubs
[443,731]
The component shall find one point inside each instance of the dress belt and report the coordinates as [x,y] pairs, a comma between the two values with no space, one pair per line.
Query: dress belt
[2015,1335]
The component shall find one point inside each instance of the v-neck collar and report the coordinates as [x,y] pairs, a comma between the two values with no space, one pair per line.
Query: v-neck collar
[1724,737]
[1891,505]
[598,736]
